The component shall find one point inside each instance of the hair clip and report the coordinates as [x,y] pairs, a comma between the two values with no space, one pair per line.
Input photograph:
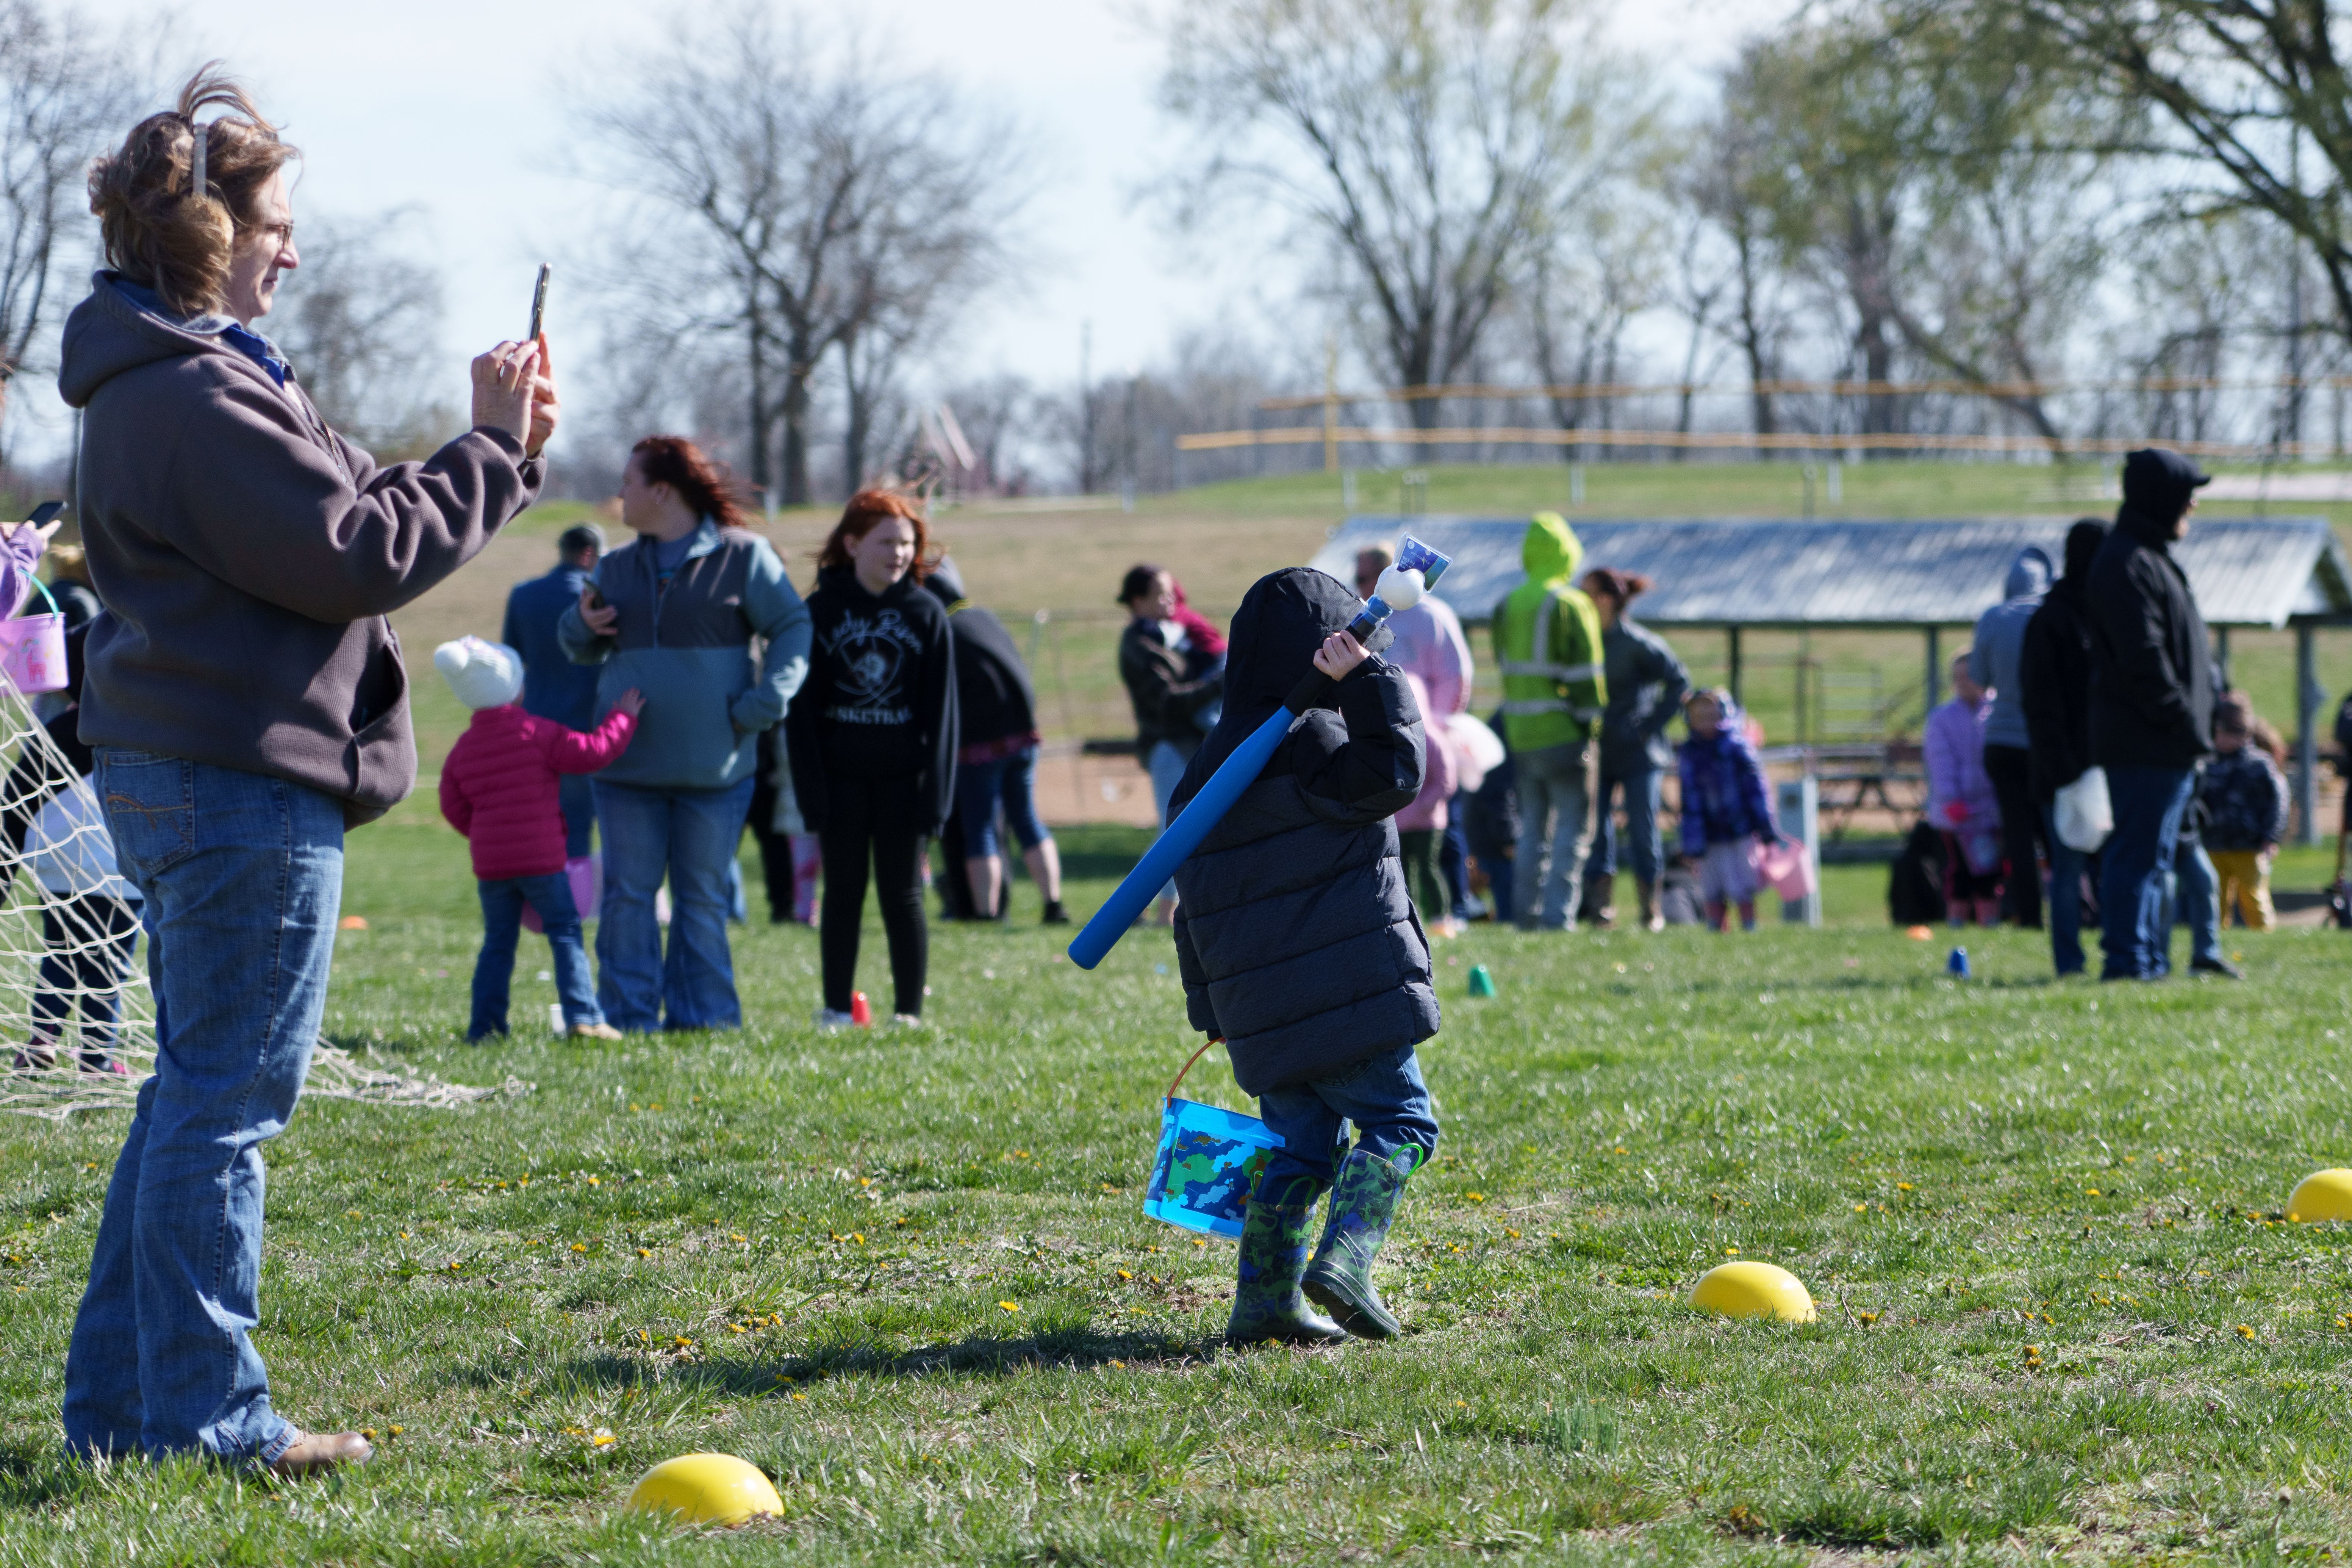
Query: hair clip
[196,181]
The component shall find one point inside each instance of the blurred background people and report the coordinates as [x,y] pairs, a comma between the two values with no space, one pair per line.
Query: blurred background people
[1173,682]
[1994,662]
[554,688]
[1646,684]
[996,756]
[1960,801]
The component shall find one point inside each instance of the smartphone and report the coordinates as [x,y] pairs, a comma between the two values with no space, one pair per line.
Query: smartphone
[595,597]
[539,304]
[43,513]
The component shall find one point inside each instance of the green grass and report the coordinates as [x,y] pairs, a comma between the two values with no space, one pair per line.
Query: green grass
[1958,1171]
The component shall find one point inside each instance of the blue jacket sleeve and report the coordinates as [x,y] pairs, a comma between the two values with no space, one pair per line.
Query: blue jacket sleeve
[1752,793]
[773,609]
[1694,818]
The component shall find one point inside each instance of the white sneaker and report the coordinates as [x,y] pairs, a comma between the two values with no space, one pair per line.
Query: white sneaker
[908,1021]
[830,1021]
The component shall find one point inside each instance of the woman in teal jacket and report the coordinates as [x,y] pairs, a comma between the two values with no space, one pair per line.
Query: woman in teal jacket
[676,614]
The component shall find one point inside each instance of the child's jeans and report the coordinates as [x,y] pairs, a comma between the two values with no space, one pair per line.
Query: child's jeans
[503,903]
[1382,1095]
[89,941]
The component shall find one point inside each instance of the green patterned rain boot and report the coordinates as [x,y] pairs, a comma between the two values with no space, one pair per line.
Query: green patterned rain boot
[1363,1206]
[1268,1307]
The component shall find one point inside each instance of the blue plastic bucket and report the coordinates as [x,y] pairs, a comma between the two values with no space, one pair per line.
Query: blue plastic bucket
[1209,1160]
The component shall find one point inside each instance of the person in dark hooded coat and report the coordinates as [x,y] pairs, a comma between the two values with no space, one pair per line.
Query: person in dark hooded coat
[1300,950]
[2053,685]
[2151,705]
[996,757]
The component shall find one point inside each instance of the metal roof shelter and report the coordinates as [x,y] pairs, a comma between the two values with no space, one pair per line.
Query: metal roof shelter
[1882,575]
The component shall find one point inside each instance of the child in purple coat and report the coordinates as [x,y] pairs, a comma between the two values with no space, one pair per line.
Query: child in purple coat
[1725,808]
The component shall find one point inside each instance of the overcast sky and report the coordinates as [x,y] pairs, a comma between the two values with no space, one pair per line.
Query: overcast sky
[454,107]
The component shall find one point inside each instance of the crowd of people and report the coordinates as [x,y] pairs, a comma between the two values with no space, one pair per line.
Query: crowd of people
[2103,680]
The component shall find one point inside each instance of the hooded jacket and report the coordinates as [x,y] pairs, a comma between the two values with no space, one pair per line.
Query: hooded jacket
[996,707]
[248,556]
[1547,641]
[2151,661]
[2000,637]
[687,644]
[2054,671]
[1646,684]
[881,696]
[1297,942]
[1723,794]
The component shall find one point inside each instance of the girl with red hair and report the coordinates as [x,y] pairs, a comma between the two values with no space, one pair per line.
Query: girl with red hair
[873,739]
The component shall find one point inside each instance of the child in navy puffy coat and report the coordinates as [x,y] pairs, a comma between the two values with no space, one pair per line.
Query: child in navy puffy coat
[1300,950]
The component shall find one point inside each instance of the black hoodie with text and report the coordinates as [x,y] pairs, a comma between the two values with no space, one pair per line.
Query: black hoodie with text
[880,698]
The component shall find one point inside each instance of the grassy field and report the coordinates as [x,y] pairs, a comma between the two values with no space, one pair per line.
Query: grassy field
[907,1273]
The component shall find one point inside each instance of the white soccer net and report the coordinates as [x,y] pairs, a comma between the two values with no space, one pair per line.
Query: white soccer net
[77,1020]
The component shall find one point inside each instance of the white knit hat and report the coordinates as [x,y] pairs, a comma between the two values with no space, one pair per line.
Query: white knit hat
[482,674]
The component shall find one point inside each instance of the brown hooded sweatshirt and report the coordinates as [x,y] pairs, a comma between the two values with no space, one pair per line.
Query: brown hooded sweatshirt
[247,556]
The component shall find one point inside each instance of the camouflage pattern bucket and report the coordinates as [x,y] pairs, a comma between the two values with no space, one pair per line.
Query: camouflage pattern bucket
[1209,1160]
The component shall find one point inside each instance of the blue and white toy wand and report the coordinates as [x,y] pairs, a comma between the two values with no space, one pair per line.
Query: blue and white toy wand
[1417,569]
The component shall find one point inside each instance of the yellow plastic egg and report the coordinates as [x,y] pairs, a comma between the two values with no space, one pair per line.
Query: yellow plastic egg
[1750,1289]
[2323,1195]
[706,1489]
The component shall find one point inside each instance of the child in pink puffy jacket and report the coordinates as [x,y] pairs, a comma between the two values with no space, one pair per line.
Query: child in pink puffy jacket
[499,789]
[1421,827]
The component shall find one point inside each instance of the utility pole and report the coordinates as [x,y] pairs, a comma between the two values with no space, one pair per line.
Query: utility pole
[1127,491]
[2292,435]
[1331,404]
[1086,475]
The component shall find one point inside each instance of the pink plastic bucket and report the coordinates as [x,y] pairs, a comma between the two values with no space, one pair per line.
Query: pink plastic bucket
[1787,869]
[33,648]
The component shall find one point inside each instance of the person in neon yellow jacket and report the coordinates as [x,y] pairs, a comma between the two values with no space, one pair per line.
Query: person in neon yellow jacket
[1547,641]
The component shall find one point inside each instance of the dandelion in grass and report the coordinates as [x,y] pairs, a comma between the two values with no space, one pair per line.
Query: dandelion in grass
[1476,1197]
[1010,1306]
[1902,1186]
[2245,1331]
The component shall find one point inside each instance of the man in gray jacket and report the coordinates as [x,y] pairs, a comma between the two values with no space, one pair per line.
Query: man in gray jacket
[1994,662]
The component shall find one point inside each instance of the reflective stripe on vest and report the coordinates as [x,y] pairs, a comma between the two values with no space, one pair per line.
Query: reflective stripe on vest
[1541,645]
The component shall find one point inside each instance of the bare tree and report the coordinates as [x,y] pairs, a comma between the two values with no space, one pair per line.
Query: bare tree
[62,94]
[782,157]
[360,323]
[939,196]
[1430,143]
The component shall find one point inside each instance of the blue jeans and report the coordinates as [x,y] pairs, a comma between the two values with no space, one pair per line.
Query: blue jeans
[1382,1095]
[1012,780]
[1556,785]
[1641,790]
[2196,901]
[242,879]
[2066,897]
[1167,764]
[690,835]
[2134,914]
[578,799]
[503,903]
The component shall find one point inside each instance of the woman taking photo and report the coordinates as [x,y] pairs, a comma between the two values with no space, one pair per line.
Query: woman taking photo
[674,614]
[246,703]
[873,739]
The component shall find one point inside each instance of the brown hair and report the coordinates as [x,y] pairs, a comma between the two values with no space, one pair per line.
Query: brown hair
[867,508]
[157,228]
[705,486]
[1623,587]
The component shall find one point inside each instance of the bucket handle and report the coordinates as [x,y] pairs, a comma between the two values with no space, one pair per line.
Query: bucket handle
[1196,1055]
[46,594]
